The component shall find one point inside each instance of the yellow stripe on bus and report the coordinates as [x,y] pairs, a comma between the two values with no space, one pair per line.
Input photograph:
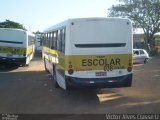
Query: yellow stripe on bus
[98,62]
[12,50]
[92,62]
[16,50]
[48,50]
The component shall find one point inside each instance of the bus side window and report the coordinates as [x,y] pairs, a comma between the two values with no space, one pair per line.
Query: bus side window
[63,39]
[55,39]
[45,39]
[52,39]
[31,40]
[42,38]
[58,41]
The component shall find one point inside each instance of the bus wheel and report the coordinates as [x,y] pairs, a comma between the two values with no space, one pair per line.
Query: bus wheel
[24,65]
[27,65]
[55,79]
[68,87]
[45,67]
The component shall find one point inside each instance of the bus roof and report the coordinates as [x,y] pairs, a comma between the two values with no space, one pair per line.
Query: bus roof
[64,23]
[18,30]
[12,29]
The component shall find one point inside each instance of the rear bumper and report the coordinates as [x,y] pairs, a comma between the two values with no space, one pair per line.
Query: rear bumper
[113,82]
[13,60]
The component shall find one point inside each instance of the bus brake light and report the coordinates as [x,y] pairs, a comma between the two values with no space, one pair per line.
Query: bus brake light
[129,69]
[70,71]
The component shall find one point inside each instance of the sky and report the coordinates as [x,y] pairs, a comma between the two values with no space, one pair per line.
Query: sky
[37,15]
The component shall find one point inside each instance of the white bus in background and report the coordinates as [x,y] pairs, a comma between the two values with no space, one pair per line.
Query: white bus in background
[16,46]
[89,52]
[38,43]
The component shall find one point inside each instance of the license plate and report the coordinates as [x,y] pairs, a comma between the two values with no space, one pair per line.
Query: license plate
[101,73]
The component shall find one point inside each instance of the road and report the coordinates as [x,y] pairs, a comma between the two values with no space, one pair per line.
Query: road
[29,90]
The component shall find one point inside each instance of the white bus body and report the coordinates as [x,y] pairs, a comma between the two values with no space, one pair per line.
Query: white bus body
[89,52]
[16,46]
[38,43]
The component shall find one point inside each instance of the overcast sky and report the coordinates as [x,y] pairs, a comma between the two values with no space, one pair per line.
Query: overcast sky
[40,14]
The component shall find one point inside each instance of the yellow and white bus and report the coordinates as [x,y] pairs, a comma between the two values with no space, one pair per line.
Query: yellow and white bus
[16,46]
[89,52]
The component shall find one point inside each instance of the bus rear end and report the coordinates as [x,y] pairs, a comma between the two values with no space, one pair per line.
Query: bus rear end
[100,54]
[12,45]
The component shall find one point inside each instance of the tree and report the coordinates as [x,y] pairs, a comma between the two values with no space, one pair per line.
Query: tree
[11,24]
[38,32]
[143,13]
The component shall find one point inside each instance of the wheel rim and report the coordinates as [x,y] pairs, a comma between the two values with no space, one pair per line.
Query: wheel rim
[146,61]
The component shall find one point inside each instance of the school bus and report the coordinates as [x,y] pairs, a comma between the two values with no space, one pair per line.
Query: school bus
[89,53]
[16,46]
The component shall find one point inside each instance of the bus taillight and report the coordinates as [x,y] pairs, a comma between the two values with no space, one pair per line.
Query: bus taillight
[129,69]
[70,71]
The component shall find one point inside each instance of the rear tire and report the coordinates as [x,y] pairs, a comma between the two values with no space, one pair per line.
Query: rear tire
[68,87]
[55,78]
[146,60]
[45,66]
[27,65]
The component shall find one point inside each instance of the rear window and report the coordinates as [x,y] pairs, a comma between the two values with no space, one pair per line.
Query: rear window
[100,45]
[141,52]
[90,34]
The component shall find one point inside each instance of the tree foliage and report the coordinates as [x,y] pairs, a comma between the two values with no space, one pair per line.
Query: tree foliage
[37,32]
[11,24]
[143,13]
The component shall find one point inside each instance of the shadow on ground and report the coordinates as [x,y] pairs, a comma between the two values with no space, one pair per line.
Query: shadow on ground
[32,92]
[6,67]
